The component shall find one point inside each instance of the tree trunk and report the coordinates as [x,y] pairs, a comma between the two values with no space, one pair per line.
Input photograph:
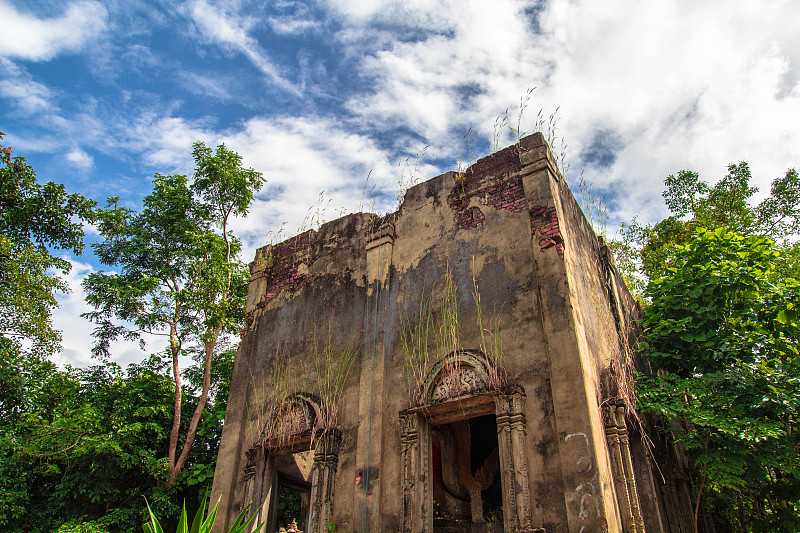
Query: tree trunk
[697,505]
[176,468]
[176,417]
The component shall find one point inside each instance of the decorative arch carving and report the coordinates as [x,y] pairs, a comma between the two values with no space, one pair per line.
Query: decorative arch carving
[293,422]
[460,374]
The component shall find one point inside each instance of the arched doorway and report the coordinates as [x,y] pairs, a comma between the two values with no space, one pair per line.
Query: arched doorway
[291,468]
[464,463]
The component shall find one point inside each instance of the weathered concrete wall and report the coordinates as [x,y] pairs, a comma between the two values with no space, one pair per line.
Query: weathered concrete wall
[508,225]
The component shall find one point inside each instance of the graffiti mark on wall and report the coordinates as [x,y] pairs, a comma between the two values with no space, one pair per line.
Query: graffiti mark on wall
[587,488]
[584,462]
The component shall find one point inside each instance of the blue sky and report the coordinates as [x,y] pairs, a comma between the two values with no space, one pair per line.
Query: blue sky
[318,95]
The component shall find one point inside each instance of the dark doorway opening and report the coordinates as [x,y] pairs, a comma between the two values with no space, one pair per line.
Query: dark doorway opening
[293,496]
[467,490]
[292,507]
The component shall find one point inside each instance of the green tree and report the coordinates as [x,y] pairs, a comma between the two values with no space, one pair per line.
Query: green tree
[722,334]
[35,220]
[179,272]
[645,251]
[89,445]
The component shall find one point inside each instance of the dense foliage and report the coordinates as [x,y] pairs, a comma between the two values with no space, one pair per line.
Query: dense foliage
[35,222]
[722,335]
[723,331]
[81,448]
[86,446]
[646,251]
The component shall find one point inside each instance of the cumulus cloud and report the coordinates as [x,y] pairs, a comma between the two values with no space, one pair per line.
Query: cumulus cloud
[166,143]
[303,157]
[26,37]
[80,159]
[680,84]
[452,76]
[300,157]
[642,90]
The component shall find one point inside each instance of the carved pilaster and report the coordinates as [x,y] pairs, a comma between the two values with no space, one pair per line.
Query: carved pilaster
[323,473]
[417,494]
[622,466]
[408,447]
[509,409]
[630,474]
[618,468]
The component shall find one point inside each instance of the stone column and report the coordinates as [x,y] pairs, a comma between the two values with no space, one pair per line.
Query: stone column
[618,468]
[630,475]
[323,474]
[417,489]
[370,456]
[671,501]
[513,461]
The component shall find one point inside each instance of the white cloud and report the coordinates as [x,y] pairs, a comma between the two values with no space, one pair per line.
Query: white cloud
[453,76]
[207,86]
[166,143]
[672,84]
[291,26]
[675,84]
[80,159]
[232,30]
[76,331]
[302,157]
[27,37]
[681,84]
[299,156]
[30,96]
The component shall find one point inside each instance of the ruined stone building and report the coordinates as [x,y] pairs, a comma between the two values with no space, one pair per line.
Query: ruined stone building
[458,365]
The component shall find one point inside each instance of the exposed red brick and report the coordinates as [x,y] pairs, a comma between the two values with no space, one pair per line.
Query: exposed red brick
[544,223]
[471,218]
[283,262]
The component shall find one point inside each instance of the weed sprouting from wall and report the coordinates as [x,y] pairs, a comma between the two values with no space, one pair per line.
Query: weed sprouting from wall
[408,174]
[332,359]
[367,201]
[430,335]
[448,334]
[273,406]
[547,125]
[315,216]
[593,205]
[491,337]
[433,332]
[620,344]
[500,124]
[464,159]
[523,105]
[449,329]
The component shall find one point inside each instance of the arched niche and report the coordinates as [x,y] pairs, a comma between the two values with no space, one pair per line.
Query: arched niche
[294,429]
[293,424]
